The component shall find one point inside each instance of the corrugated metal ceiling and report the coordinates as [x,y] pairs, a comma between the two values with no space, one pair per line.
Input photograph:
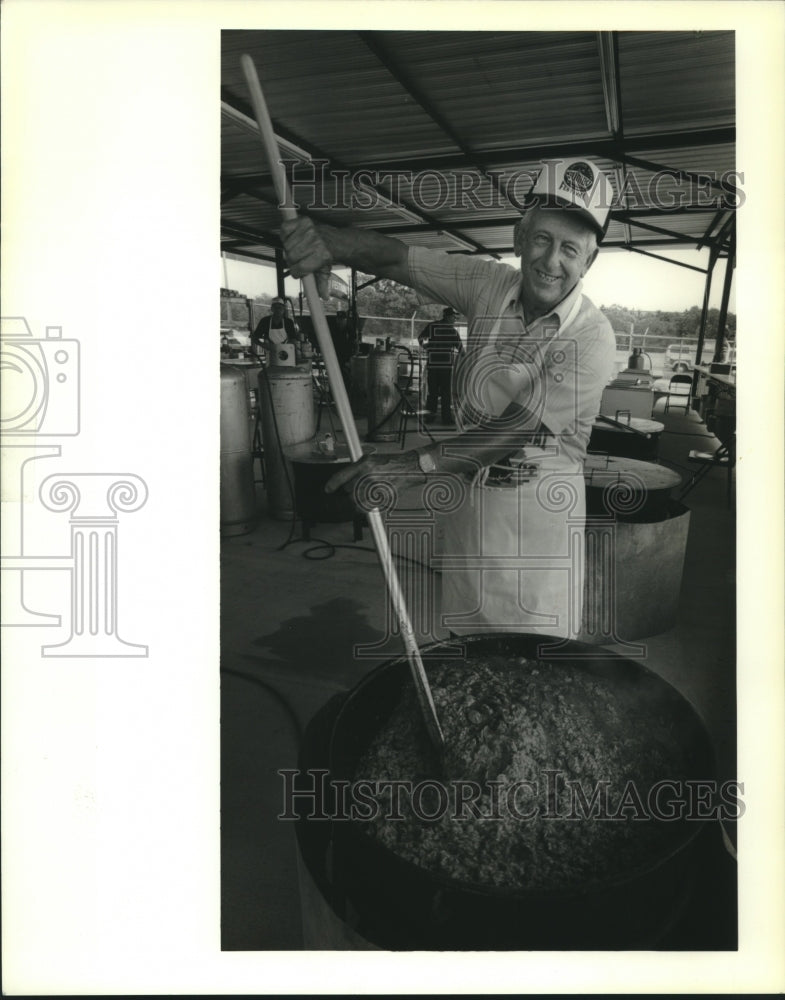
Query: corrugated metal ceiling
[462,120]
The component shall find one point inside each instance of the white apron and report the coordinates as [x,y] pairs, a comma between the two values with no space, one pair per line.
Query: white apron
[512,555]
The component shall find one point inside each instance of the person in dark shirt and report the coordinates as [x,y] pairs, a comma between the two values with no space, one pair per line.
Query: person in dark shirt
[342,333]
[442,345]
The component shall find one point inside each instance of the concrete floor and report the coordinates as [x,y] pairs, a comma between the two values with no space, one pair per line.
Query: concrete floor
[291,622]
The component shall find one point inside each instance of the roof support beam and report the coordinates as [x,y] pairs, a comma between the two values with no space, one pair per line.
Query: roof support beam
[684,175]
[228,245]
[231,187]
[497,223]
[608,42]
[509,250]
[382,53]
[722,320]
[250,235]
[314,153]
[713,256]
[607,148]
[252,255]
[609,71]
[367,284]
[729,225]
[667,260]
[677,237]
[705,238]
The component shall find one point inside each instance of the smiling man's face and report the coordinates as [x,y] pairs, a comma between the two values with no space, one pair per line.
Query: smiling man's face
[556,250]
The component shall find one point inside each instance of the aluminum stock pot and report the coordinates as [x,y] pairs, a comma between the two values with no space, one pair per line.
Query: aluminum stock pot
[394,904]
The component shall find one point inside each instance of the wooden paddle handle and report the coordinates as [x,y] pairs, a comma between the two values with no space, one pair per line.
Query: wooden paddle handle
[335,376]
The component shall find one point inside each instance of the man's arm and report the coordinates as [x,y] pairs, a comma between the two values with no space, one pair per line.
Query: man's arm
[310,248]
[489,442]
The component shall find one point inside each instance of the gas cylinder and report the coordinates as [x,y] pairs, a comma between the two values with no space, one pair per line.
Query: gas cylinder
[635,361]
[383,397]
[288,416]
[358,384]
[238,499]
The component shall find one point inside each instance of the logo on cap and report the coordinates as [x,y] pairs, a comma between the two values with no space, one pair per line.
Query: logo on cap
[578,178]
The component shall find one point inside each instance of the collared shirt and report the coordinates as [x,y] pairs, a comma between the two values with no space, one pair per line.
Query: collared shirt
[554,367]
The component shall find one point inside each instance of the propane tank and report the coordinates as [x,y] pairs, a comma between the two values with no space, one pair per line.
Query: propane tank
[288,415]
[358,384]
[238,498]
[383,397]
[635,361]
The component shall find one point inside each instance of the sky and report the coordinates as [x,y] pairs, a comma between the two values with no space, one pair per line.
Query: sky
[617,277]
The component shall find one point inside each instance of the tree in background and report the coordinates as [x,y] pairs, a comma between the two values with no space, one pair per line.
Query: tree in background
[663,328]
[387,298]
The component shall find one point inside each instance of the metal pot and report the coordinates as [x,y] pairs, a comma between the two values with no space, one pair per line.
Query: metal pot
[628,489]
[312,470]
[626,436]
[398,905]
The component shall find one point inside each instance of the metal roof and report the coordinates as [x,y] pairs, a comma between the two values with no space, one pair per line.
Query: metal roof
[435,137]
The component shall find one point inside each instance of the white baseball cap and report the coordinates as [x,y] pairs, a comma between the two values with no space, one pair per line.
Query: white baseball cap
[578,184]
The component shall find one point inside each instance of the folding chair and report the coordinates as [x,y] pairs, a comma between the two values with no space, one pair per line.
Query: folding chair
[407,408]
[679,380]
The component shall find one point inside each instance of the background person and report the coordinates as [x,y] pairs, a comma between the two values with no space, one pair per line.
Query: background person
[442,345]
[273,329]
[343,338]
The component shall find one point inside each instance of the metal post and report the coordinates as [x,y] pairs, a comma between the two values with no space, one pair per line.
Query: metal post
[723,317]
[713,255]
[279,271]
[353,309]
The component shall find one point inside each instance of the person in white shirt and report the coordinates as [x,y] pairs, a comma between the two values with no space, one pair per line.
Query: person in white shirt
[527,391]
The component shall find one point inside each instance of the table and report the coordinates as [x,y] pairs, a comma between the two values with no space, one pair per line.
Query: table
[724,384]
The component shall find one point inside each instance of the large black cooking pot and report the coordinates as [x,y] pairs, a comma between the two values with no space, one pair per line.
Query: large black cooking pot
[398,905]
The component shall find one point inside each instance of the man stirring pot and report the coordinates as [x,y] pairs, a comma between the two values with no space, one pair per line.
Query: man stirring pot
[527,390]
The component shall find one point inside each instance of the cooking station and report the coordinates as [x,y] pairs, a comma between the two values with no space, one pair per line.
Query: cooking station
[324,644]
